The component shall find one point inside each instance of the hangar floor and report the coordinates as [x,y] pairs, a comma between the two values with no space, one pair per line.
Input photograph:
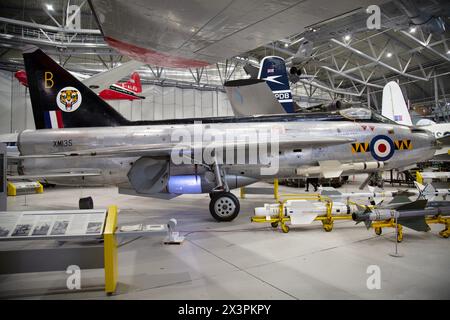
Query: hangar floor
[240,260]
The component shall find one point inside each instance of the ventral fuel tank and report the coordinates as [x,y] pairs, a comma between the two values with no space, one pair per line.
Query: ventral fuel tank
[149,176]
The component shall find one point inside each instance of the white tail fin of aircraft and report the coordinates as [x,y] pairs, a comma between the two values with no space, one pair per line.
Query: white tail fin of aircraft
[394,106]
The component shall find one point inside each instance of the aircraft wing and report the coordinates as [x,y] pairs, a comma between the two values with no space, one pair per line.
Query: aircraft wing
[8,138]
[285,143]
[252,97]
[45,176]
[196,33]
[103,80]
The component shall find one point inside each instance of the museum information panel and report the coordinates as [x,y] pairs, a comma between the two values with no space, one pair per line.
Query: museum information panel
[30,224]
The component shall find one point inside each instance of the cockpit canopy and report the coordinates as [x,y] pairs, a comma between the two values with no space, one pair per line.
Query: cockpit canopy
[356,113]
[364,114]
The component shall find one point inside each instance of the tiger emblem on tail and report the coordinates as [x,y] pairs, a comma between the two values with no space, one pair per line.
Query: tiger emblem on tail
[68,99]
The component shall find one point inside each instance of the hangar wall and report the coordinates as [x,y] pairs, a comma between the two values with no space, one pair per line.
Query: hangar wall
[160,103]
[5,101]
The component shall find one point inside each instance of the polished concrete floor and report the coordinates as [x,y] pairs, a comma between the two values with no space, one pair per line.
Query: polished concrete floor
[239,259]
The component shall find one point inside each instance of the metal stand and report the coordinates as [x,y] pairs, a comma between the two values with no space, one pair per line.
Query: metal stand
[396,254]
[25,201]
[173,237]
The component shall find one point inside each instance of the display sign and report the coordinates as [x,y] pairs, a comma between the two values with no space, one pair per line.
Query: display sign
[68,223]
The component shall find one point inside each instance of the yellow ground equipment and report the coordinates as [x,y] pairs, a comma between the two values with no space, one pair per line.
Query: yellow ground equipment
[280,216]
[379,225]
[442,220]
[244,191]
[24,187]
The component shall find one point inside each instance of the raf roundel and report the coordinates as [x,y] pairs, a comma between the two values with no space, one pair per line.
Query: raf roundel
[68,99]
[382,148]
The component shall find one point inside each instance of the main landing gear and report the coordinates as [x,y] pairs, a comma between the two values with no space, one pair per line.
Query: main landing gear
[224,205]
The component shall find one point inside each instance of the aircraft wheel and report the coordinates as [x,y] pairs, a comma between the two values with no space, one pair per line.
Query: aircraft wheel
[378,231]
[284,228]
[274,224]
[444,233]
[224,206]
[214,194]
[86,203]
[327,227]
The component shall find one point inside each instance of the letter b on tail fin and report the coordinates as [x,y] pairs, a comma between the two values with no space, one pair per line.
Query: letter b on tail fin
[273,70]
[59,100]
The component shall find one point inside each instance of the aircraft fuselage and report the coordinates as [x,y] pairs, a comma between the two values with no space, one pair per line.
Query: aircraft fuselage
[385,145]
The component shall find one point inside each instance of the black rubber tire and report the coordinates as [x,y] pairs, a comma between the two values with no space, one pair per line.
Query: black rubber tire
[86,203]
[214,194]
[226,200]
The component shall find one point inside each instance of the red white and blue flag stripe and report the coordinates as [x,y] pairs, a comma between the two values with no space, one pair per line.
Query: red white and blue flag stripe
[53,119]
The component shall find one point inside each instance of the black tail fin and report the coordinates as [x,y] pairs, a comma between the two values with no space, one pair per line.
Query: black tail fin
[60,100]
[415,205]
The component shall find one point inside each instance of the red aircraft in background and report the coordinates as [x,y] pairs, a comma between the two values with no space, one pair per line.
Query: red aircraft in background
[117,91]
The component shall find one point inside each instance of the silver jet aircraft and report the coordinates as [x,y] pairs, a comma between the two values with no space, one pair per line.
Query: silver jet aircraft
[81,140]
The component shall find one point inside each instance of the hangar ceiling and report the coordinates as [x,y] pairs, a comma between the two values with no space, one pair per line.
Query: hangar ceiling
[337,58]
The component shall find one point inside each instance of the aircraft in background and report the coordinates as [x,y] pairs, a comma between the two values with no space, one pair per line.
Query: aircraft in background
[194,34]
[399,15]
[395,109]
[118,91]
[138,156]
[268,91]
[273,71]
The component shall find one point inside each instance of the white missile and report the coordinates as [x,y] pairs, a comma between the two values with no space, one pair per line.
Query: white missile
[334,168]
[429,192]
[303,212]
